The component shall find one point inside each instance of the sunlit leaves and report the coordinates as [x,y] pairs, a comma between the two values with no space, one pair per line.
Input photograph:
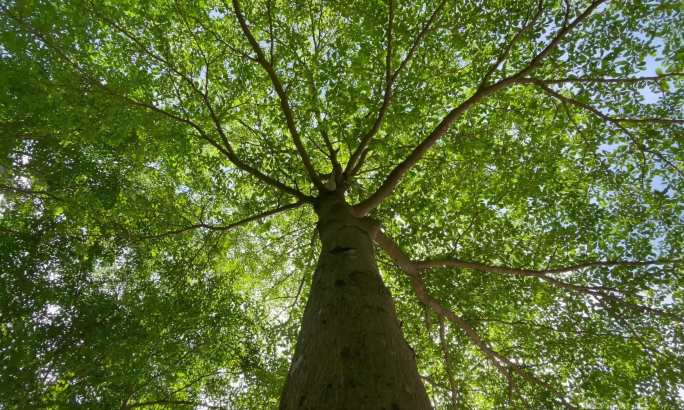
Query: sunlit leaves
[115,292]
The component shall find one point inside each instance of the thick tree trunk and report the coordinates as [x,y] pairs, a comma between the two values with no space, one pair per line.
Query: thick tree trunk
[351,353]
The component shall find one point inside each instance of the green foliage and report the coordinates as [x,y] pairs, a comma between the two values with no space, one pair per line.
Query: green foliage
[118,286]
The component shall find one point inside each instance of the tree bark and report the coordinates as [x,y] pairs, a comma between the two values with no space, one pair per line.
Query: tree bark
[350,353]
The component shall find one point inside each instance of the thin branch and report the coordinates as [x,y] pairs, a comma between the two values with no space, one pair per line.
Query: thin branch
[314,91]
[557,39]
[229,227]
[453,389]
[615,120]
[295,298]
[159,402]
[232,156]
[419,39]
[173,403]
[599,291]
[507,49]
[227,150]
[8,189]
[612,310]
[198,378]
[269,12]
[142,46]
[358,156]
[365,140]
[282,95]
[456,263]
[651,120]
[618,122]
[299,292]
[627,80]
[222,41]
[539,327]
[332,153]
[634,306]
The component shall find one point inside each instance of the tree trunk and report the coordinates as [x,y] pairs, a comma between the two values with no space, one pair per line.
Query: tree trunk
[351,353]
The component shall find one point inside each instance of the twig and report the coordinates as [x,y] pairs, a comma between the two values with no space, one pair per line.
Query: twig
[226,228]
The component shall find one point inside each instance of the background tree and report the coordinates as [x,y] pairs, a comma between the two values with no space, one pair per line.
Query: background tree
[164,164]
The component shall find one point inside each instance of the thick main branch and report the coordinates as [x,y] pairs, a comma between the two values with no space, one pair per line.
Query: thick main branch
[396,175]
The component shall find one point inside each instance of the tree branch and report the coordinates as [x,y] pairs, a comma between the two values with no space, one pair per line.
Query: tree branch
[419,39]
[395,176]
[598,291]
[615,120]
[415,267]
[160,402]
[143,48]
[507,49]
[229,227]
[356,160]
[173,403]
[618,122]
[453,389]
[227,150]
[282,95]
[8,189]
[502,363]
[313,90]
[222,41]
[571,80]
[456,263]
[613,311]
[557,39]
[365,140]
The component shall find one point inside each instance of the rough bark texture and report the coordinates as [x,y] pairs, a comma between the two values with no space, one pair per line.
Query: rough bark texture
[351,353]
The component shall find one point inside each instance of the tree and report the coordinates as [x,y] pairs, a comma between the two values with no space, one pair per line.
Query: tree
[464,204]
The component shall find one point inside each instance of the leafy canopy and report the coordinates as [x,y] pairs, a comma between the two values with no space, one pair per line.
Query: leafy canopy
[158,160]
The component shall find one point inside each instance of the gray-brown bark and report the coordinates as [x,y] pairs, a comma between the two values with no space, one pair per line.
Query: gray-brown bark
[351,353]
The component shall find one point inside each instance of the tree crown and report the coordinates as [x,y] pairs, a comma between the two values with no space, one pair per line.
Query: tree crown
[522,161]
